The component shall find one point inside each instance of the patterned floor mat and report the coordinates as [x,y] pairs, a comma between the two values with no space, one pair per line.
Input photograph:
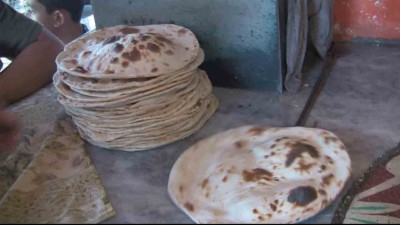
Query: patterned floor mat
[375,197]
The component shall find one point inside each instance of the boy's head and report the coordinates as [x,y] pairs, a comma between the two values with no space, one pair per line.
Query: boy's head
[54,14]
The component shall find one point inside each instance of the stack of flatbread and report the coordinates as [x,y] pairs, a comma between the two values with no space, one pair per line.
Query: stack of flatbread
[260,175]
[135,88]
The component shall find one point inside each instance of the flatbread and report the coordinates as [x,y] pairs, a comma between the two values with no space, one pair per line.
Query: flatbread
[111,129]
[149,107]
[130,52]
[109,96]
[130,144]
[135,88]
[130,91]
[254,174]
[73,99]
[187,105]
[95,84]
[144,130]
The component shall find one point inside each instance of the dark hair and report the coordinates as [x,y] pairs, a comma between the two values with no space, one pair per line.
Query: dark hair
[74,7]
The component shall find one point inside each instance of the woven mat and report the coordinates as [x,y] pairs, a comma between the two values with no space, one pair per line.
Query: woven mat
[375,197]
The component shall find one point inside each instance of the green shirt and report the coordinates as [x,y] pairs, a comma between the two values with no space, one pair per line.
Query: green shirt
[16,31]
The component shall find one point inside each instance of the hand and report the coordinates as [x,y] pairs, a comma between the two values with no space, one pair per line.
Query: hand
[9,131]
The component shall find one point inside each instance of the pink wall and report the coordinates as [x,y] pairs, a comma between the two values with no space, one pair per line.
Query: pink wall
[367,18]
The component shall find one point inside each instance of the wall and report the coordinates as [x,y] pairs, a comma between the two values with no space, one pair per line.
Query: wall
[240,37]
[367,19]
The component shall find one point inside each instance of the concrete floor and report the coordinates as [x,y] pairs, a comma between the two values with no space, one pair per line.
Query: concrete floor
[360,103]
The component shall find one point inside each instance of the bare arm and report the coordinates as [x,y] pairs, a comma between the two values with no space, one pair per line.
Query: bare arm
[32,69]
[9,131]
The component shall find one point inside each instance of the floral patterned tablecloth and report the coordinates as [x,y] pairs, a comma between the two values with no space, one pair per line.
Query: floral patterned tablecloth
[49,178]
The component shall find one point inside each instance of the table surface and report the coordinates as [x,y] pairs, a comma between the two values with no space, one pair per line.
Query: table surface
[136,183]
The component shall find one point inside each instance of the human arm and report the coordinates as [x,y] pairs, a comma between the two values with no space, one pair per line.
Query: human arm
[9,130]
[31,69]
[33,50]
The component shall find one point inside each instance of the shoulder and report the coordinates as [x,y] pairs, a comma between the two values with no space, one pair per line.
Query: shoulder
[19,31]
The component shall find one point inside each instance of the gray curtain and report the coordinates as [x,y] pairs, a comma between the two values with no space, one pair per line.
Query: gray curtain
[306,19]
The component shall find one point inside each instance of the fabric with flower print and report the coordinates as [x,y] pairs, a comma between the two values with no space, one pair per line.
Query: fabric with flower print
[375,197]
[59,186]
[380,203]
